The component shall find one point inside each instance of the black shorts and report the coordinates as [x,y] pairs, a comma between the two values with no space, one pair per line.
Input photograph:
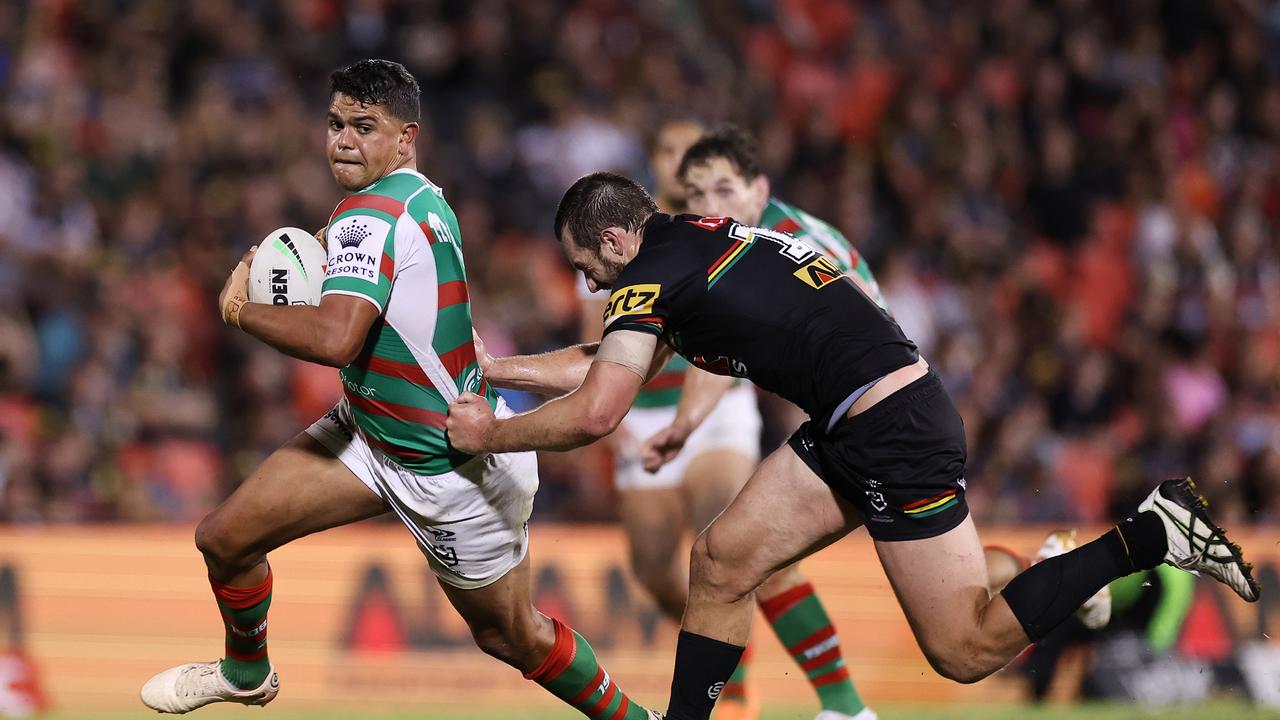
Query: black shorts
[901,463]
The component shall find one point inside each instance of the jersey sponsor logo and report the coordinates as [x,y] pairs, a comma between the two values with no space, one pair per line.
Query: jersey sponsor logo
[820,272]
[361,390]
[358,254]
[351,234]
[631,300]
[713,692]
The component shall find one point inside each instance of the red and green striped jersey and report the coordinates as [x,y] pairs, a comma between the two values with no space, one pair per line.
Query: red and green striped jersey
[396,244]
[822,237]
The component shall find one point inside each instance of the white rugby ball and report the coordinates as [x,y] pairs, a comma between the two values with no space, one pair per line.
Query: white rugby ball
[288,269]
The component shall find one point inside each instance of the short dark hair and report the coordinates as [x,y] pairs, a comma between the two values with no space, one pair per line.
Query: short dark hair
[598,201]
[380,82]
[729,142]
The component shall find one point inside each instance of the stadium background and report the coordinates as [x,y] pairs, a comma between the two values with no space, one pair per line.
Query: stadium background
[1071,207]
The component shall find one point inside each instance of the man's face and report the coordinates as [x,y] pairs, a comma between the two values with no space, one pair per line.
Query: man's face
[600,268]
[365,142]
[716,188]
[673,139]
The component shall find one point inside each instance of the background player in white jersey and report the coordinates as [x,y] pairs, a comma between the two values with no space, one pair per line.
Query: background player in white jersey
[403,357]
[699,482]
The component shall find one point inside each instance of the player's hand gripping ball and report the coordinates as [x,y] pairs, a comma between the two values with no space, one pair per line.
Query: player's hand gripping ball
[235,291]
[469,422]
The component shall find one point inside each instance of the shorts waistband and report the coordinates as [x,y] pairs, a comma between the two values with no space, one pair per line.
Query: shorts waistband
[919,389]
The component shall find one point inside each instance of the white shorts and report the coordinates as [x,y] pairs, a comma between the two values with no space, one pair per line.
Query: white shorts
[734,424]
[470,523]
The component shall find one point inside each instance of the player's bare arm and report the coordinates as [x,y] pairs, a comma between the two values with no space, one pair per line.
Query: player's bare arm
[329,334]
[553,373]
[622,363]
[700,395]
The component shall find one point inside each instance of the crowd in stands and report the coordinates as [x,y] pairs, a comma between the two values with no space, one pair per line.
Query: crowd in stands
[1071,207]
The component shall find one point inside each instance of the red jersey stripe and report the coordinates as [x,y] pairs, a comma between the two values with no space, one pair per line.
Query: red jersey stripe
[404,413]
[390,206]
[457,359]
[452,293]
[392,449]
[409,371]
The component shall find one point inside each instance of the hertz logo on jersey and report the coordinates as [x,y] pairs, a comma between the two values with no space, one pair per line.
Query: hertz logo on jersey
[631,300]
[819,272]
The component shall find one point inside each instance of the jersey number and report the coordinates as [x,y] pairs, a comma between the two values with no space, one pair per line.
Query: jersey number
[790,248]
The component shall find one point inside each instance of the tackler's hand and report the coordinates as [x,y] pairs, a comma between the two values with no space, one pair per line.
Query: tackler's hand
[235,291]
[469,423]
[483,358]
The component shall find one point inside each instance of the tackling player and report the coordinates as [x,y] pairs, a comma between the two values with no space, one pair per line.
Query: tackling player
[722,177]
[699,483]
[884,445]
[395,318]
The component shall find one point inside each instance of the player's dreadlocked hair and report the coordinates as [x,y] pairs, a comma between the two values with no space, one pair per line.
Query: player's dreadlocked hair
[380,82]
[729,142]
[598,201]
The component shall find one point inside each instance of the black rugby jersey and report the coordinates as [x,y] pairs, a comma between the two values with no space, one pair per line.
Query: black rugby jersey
[756,303]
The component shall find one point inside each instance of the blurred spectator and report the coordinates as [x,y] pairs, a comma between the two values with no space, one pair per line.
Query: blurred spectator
[1071,206]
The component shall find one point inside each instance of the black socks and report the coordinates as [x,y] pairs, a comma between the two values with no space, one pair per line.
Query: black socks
[1051,590]
[703,665]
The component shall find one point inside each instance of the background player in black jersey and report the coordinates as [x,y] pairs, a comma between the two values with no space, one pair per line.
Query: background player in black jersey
[884,446]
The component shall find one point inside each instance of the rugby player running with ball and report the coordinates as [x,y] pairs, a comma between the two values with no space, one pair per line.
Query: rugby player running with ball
[403,357]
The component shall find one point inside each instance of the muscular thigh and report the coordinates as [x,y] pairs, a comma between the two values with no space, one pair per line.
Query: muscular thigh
[300,489]
[783,514]
[941,582]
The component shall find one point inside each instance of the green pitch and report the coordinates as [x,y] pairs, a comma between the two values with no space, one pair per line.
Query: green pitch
[1231,710]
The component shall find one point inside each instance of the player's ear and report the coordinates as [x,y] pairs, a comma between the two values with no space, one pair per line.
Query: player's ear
[408,136]
[611,240]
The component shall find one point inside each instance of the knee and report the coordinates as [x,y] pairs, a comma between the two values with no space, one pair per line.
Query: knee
[223,551]
[720,574]
[963,660]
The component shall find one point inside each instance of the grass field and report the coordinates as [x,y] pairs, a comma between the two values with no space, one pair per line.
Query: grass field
[1210,711]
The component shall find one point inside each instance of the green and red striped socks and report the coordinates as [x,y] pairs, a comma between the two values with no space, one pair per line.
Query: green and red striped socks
[801,623]
[572,673]
[244,615]
[736,689]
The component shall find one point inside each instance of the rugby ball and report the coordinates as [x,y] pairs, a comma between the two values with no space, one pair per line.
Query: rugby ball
[288,269]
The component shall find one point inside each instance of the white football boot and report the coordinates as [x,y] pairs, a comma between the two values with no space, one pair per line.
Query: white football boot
[1195,543]
[184,688]
[1095,613]
[866,714]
